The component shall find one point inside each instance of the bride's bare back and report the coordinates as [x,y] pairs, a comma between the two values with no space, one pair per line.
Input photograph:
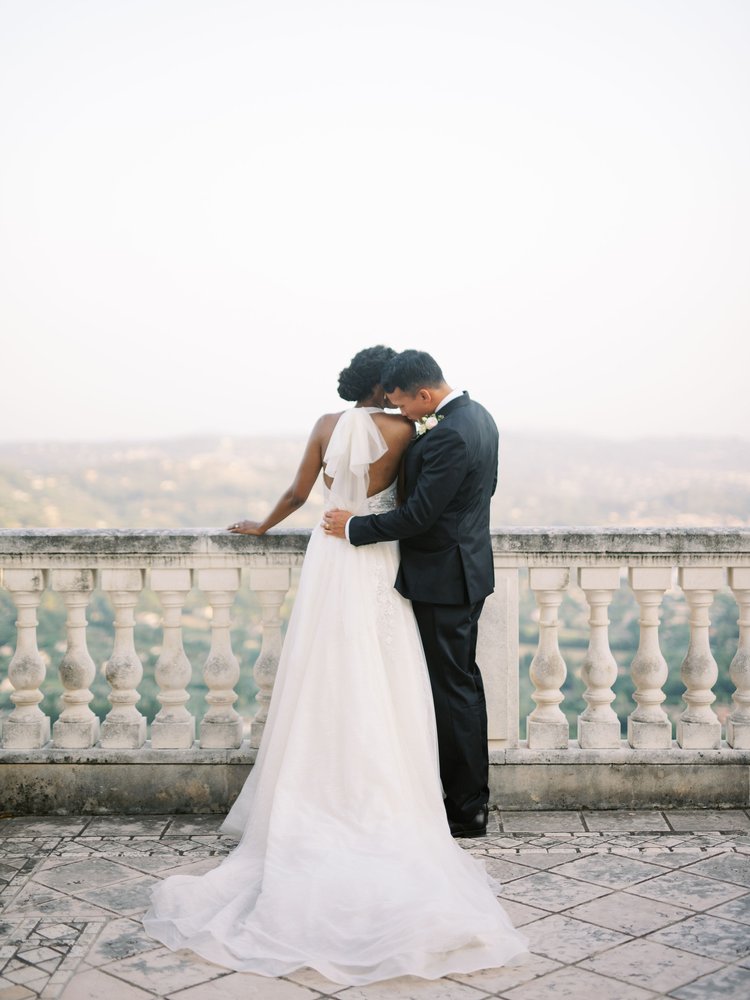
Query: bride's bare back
[397,431]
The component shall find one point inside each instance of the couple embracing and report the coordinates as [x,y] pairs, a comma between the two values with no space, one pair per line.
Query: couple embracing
[374,755]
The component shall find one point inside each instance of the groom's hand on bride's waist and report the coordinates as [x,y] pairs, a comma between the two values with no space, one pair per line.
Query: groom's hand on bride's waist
[334,523]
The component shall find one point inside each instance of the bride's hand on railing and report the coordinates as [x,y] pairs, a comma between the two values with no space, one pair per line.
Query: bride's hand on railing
[246,528]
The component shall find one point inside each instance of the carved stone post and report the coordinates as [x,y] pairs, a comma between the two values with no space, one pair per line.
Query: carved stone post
[271,584]
[124,727]
[497,657]
[546,726]
[221,726]
[27,727]
[598,726]
[77,727]
[649,727]
[174,726]
[738,723]
[698,726]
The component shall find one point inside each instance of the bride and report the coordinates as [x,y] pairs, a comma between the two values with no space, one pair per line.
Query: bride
[345,861]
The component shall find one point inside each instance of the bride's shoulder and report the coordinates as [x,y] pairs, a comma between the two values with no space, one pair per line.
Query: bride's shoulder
[327,421]
[394,425]
[392,419]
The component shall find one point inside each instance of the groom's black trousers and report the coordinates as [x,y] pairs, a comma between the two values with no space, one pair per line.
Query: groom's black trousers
[449,637]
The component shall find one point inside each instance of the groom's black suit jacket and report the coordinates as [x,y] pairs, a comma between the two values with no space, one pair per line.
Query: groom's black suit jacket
[450,474]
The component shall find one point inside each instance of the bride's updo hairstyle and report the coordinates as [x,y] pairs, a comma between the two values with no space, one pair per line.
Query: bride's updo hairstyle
[364,372]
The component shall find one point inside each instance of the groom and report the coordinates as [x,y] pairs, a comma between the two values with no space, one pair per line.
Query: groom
[446,569]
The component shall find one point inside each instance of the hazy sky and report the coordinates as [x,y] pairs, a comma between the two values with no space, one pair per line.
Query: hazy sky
[206,207]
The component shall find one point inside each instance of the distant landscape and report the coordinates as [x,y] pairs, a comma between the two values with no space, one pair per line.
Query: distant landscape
[211,481]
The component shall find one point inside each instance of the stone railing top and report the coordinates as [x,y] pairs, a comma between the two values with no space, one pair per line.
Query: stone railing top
[586,546]
[41,547]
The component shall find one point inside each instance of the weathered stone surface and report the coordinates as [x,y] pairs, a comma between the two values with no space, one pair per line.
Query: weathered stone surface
[113,788]
[654,545]
[203,780]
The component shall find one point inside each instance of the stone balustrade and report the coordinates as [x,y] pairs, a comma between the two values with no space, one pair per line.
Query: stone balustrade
[613,761]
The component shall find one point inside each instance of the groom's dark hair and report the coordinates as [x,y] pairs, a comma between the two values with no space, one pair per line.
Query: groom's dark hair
[410,371]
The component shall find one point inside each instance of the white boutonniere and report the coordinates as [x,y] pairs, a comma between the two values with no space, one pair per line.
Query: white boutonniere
[425,424]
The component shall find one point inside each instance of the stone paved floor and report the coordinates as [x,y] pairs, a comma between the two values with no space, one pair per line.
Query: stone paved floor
[617,906]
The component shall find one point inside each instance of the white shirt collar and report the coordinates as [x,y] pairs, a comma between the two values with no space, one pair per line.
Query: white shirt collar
[451,395]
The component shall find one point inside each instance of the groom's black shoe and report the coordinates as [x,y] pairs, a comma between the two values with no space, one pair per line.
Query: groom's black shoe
[475,827]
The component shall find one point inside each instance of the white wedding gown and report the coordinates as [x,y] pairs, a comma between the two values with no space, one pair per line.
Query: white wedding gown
[345,862]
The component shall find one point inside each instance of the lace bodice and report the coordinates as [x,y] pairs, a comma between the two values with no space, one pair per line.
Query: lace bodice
[379,503]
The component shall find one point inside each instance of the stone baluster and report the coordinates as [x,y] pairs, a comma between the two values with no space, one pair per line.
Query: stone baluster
[174,726]
[738,723]
[649,727]
[77,727]
[271,584]
[27,727]
[124,726]
[598,725]
[546,726]
[221,726]
[698,727]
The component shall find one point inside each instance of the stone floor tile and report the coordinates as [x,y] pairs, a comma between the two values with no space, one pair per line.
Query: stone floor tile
[611,870]
[493,822]
[568,940]
[505,978]
[412,988]
[246,986]
[694,820]
[194,824]
[709,842]
[143,864]
[727,867]
[24,975]
[664,840]
[120,938]
[736,909]
[165,971]
[651,965]
[541,822]
[127,898]
[40,826]
[551,892]
[685,889]
[36,955]
[630,914]
[544,859]
[586,842]
[624,821]
[575,983]
[504,870]
[707,935]
[502,842]
[69,876]
[679,859]
[731,983]
[520,913]
[127,826]
[16,992]
[188,868]
[39,901]
[314,980]
[94,984]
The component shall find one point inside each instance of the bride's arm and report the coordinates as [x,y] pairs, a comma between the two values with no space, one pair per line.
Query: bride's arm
[294,497]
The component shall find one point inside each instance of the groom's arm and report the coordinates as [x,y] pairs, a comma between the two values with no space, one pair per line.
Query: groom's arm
[444,466]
